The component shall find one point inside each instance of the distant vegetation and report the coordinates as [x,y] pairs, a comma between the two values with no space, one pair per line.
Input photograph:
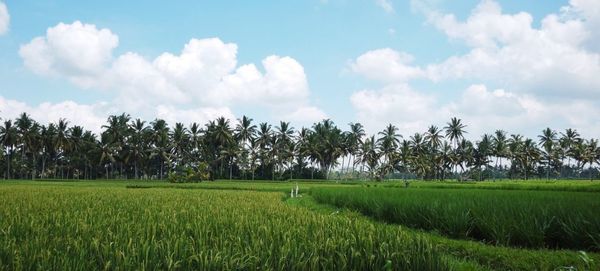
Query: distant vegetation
[132,149]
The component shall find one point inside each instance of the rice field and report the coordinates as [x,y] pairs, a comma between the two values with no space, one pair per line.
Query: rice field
[87,228]
[520,218]
[110,225]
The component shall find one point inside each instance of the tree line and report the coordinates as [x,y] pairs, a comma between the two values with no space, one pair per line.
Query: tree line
[130,148]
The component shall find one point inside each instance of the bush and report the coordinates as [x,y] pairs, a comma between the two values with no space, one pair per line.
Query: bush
[190,174]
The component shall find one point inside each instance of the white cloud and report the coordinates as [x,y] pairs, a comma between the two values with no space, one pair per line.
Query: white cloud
[386,5]
[200,115]
[483,110]
[91,117]
[4,18]
[305,115]
[589,10]
[204,73]
[397,104]
[80,52]
[549,73]
[386,65]
[506,49]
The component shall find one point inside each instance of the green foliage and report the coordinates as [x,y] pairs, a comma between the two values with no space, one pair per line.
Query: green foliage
[70,227]
[536,219]
[189,174]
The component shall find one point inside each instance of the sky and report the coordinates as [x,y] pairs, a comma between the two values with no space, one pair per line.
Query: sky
[519,66]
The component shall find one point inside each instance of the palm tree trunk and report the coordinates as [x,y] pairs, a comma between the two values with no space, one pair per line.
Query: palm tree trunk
[33,165]
[230,169]
[348,167]
[8,165]
[43,167]
[342,169]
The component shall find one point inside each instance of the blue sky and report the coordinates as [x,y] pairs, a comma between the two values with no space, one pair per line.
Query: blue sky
[495,64]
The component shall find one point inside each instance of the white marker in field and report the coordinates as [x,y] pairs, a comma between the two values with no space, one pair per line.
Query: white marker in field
[297,189]
[292,193]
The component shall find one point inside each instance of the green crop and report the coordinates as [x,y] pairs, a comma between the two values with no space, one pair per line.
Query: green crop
[104,227]
[534,219]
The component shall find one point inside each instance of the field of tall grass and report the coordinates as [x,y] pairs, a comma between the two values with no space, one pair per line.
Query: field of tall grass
[64,227]
[520,218]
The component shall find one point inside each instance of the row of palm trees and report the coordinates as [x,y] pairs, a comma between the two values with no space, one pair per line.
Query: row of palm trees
[133,148]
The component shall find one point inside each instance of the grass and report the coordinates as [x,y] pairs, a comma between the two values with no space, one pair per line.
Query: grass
[540,185]
[111,227]
[251,225]
[478,254]
[535,219]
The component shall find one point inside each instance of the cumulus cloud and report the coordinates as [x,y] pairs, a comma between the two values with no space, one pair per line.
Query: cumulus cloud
[306,115]
[200,115]
[482,109]
[77,51]
[386,65]
[91,117]
[4,18]
[204,74]
[398,104]
[507,49]
[547,74]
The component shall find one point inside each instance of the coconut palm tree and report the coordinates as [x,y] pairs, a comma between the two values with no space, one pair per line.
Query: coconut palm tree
[139,141]
[328,142]
[434,138]
[354,141]
[8,137]
[369,155]
[419,151]
[499,147]
[160,143]
[568,141]
[547,141]
[527,154]
[455,130]
[388,142]
[107,153]
[61,143]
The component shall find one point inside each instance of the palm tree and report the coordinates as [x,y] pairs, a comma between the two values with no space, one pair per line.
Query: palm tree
[527,154]
[61,143]
[328,145]
[230,153]
[140,134]
[160,143]
[454,131]
[107,152]
[369,155]
[355,140]
[48,133]
[547,141]
[284,144]
[388,142]
[481,154]
[568,140]
[434,137]
[245,132]
[499,147]
[179,144]
[8,137]
[420,161]
[24,138]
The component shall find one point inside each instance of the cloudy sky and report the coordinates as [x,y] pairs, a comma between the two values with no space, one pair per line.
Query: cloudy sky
[515,65]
